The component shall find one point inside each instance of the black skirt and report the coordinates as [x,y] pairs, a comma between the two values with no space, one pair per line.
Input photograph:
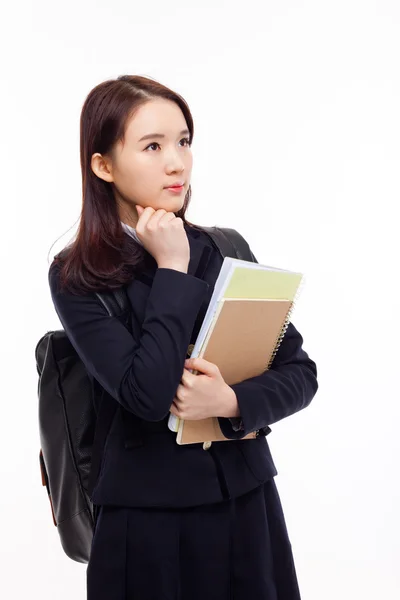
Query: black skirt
[234,550]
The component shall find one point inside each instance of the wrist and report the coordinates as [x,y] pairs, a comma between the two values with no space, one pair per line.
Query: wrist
[230,408]
[175,266]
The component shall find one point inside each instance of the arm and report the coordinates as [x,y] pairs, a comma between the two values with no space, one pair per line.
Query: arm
[287,387]
[142,374]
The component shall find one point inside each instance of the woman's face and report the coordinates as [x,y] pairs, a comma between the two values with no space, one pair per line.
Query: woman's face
[142,169]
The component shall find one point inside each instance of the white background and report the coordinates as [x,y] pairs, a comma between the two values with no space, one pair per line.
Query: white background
[297,128]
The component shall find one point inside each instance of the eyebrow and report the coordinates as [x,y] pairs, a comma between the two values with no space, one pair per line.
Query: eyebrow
[160,135]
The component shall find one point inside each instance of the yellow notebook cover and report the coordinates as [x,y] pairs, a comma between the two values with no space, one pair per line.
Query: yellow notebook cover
[254,283]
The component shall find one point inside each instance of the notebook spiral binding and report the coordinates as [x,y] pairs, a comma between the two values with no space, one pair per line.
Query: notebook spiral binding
[285,325]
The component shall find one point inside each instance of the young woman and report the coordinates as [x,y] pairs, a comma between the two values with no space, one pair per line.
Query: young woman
[173,522]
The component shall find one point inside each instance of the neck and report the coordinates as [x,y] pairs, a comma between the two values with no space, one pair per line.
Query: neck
[127,213]
[129,220]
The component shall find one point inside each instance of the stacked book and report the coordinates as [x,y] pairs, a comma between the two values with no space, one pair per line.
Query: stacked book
[246,320]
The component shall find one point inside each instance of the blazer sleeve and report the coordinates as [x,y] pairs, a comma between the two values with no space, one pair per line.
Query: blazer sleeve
[284,389]
[141,374]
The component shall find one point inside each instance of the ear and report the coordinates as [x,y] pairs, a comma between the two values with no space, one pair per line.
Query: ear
[101,166]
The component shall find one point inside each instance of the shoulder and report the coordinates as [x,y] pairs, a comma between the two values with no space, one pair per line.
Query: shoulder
[71,305]
[54,271]
[53,276]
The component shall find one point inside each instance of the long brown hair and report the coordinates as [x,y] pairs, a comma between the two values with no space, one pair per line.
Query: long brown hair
[102,256]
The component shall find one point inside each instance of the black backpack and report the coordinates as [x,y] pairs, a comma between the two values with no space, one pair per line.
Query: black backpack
[72,433]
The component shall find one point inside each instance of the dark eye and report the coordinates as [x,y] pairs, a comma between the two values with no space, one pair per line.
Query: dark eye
[153,144]
[157,144]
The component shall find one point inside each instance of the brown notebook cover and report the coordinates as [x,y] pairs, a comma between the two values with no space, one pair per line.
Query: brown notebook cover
[242,342]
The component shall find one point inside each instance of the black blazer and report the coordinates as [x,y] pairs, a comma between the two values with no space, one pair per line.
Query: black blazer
[142,370]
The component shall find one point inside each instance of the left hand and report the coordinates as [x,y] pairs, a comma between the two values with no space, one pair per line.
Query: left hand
[203,395]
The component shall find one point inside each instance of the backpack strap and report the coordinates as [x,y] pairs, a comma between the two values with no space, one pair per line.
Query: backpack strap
[230,243]
[115,302]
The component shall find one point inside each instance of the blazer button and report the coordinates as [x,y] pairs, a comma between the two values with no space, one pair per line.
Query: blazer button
[206,445]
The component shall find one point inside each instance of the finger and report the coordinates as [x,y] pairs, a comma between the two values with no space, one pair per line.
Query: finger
[202,365]
[153,222]
[187,378]
[144,218]
[174,410]
[168,216]
[180,393]
[177,407]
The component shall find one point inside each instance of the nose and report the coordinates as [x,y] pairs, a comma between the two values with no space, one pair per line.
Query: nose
[174,163]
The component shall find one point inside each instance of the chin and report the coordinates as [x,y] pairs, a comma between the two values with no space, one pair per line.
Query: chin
[171,205]
[176,207]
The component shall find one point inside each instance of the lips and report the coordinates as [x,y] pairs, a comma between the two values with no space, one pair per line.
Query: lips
[179,184]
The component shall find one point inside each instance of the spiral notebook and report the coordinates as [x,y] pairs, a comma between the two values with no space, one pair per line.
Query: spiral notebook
[245,323]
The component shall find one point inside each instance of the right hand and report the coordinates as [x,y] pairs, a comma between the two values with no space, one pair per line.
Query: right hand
[164,237]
